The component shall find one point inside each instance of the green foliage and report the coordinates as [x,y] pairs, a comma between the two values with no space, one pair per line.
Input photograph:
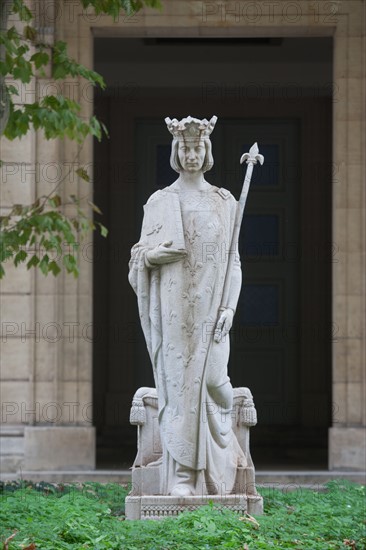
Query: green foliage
[63,66]
[110,494]
[58,116]
[114,7]
[22,10]
[313,520]
[42,236]
[37,234]
[90,516]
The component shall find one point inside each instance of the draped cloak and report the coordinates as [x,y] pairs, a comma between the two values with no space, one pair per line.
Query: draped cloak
[179,308]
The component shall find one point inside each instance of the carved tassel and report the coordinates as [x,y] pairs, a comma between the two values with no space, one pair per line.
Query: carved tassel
[138,412]
[249,415]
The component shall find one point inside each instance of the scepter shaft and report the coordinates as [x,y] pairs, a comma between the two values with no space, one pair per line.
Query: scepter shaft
[251,159]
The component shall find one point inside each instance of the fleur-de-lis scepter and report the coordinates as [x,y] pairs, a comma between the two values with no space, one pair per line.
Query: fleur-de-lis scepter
[251,159]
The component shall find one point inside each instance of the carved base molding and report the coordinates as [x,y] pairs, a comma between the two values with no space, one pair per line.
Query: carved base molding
[160,507]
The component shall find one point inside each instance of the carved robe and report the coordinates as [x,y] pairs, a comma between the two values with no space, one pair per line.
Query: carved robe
[179,308]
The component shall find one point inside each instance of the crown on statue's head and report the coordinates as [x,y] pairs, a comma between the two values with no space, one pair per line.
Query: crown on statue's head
[190,128]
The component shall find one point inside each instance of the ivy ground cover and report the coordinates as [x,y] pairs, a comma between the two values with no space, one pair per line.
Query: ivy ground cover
[91,516]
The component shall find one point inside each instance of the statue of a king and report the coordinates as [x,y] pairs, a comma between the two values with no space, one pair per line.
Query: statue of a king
[178,270]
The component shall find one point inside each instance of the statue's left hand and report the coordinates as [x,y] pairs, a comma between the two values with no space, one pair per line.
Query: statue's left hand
[224,324]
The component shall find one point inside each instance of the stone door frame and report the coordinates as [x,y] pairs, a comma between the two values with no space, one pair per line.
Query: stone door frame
[344,21]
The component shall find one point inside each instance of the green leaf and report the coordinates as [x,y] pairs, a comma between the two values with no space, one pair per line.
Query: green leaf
[12,34]
[82,173]
[21,9]
[55,201]
[33,262]
[54,268]
[40,59]
[24,235]
[58,72]
[76,224]
[23,72]
[95,207]
[105,129]
[21,256]
[69,262]
[30,33]
[16,210]
[12,89]
[103,230]
[43,266]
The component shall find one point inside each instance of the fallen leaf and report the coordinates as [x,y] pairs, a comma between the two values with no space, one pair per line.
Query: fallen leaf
[6,541]
[250,518]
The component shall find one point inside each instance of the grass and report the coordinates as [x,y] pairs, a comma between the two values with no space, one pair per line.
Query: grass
[90,516]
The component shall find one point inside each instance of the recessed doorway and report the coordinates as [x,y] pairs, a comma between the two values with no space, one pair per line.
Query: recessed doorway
[276,92]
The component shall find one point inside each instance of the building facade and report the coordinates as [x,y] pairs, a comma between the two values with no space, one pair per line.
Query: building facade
[46,347]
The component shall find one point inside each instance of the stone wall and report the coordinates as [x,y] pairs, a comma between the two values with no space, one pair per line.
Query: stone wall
[46,332]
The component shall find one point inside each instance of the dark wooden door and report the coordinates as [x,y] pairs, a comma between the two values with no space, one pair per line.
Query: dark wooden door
[285,301]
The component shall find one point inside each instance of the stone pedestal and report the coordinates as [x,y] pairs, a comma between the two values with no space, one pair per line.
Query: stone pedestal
[160,507]
[145,500]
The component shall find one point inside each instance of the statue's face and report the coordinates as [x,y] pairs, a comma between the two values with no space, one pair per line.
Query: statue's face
[191,155]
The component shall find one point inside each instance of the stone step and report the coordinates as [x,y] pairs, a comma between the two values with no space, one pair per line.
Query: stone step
[306,477]
[266,478]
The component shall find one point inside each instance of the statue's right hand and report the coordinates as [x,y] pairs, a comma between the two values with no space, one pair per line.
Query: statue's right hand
[163,254]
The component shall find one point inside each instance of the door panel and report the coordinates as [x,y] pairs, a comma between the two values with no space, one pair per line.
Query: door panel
[269,301]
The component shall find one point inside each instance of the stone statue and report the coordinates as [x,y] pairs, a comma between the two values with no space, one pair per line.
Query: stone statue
[178,271]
